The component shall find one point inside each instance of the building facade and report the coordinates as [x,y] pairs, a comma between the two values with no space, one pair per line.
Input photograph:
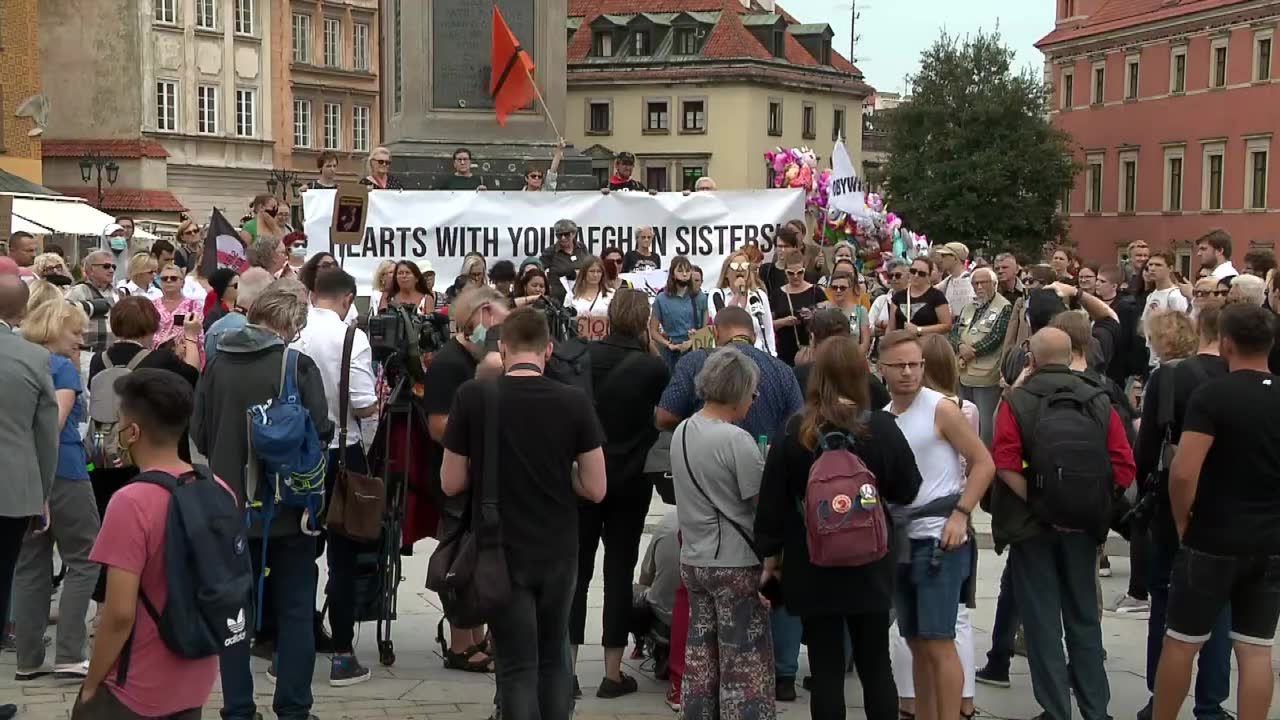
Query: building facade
[705,87]
[1172,109]
[19,83]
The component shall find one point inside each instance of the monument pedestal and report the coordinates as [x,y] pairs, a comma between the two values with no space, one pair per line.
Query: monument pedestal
[436,92]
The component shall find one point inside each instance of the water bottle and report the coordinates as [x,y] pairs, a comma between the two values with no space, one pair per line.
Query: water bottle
[763,442]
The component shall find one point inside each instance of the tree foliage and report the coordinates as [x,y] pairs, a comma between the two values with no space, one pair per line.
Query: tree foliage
[973,157]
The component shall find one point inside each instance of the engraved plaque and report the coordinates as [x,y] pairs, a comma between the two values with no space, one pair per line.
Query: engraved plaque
[462,35]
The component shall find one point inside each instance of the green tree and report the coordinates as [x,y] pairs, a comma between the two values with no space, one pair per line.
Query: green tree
[972,156]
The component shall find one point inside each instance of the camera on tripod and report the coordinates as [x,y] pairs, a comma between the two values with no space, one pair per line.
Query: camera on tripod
[399,336]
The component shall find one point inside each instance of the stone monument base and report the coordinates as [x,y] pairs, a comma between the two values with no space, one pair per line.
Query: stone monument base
[426,165]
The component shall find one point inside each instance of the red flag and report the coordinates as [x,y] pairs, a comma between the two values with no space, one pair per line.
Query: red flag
[511,79]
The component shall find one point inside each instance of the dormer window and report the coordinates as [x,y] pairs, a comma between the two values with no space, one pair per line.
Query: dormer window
[686,41]
[779,43]
[602,44]
[642,43]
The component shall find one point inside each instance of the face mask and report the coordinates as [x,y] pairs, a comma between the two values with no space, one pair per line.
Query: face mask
[118,244]
[682,283]
[273,211]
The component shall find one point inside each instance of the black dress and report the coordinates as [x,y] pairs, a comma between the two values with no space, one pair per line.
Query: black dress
[785,304]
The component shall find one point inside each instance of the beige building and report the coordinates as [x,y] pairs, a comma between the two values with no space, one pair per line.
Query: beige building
[706,89]
[20,81]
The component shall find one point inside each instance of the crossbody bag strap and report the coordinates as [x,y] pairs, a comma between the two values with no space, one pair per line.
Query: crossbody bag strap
[488,494]
[792,309]
[344,396]
[746,536]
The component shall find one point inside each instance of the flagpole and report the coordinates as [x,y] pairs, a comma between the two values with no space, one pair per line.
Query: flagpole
[542,101]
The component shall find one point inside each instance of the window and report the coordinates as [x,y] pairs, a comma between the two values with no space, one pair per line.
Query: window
[206,15]
[686,41]
[1128,182]
[1178,70]
[302,123]
[837,124]
[1099,83]
[602,44]
[1131,79]
[775,117]
[693,116]
[1258,153]
[809,121]
[166,106]
[166,12]
[244,17]
[657,116]
[246,112]
[1262,56]
[207,110]
[689,177]
[1214,159]
[599,117]
[361,121]
[641,46]
[360,46]
[1068,89]
[1218,63]
[601,175]
[1093,181]
[332,42]
[655,177]
[1173,172]
[301,38]
[332,126]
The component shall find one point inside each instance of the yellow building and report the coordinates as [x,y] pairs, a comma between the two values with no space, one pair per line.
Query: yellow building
[20,81]
[705,88]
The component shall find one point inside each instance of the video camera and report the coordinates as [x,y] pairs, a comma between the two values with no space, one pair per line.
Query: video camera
[96,309]
[399,337]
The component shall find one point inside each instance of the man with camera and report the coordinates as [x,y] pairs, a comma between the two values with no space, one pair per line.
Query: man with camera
[476,313]
[92,292]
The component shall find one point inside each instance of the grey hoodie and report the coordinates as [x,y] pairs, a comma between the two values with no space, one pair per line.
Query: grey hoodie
[244,373]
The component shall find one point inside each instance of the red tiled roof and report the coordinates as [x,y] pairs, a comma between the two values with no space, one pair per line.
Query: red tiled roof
[731,39]
[1123,14]
[132,200]
[111,148]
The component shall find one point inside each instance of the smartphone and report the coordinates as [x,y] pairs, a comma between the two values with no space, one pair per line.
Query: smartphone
[179,319]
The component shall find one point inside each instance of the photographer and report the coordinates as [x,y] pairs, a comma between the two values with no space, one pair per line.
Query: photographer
[99,270]
[475,313]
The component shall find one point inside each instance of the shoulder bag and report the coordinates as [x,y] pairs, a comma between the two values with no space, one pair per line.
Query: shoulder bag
[359,499]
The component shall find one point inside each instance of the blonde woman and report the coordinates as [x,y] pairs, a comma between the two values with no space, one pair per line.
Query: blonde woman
[40,292]
[141,277]
[381,277]
[740,285]
[51,266]
[188,252]
[380,177]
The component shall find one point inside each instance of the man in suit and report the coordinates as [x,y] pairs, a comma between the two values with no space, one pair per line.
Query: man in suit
[28,419]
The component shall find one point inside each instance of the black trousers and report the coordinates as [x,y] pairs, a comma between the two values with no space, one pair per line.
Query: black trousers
[619,522]
[869,634]
[1139,561]
[11,532]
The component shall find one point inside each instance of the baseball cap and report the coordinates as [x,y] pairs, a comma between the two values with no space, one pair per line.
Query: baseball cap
[425,267]
[960,250]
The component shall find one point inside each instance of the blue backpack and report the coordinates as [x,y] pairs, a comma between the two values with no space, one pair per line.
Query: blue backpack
[285,450]
[207,570]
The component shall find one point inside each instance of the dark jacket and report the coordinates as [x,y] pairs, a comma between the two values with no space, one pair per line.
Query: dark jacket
[808,590]
[627,383]
[1130,355]
[244,373]
[559,265]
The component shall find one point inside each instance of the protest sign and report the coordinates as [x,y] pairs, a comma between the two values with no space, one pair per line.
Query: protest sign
[443,226]
[351,203]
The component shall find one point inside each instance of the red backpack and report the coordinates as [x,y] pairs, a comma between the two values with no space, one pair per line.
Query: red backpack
[844,515]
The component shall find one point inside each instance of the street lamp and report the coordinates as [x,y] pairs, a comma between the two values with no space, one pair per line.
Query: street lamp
[289,186]
[95,163]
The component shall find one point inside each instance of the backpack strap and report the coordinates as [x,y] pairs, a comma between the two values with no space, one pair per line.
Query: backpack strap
[746,536]
[289,375]
[106,361]
[132,364]
[488,495]
[344,395]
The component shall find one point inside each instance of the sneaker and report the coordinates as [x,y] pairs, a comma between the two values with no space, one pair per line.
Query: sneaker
[1145,712]
[610,689]
[25,675]
[264,649]
[347,670]
[1104,567]
[673,699]
[71,671]
[577,689]
[807,683]
[989,676]
[1132,607]
[271,673]
[785,691]
[8,711]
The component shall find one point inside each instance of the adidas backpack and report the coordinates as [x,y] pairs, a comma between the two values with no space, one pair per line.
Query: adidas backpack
[207,569]
[844,516]
[104,411]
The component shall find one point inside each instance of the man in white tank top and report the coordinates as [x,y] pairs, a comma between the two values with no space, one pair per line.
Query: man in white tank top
[933,570]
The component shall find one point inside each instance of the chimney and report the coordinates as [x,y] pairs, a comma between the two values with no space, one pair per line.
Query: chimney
[766,5]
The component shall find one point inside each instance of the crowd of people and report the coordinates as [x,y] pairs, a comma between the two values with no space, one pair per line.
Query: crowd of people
[824,427]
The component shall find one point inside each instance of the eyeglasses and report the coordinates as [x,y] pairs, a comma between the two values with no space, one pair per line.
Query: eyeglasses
[981,283]
[170,278]
[378,161]
[839,288]
[920,273]
[904,366]
[740,266]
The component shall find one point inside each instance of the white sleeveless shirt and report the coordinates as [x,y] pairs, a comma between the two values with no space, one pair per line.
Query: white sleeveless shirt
[941,467]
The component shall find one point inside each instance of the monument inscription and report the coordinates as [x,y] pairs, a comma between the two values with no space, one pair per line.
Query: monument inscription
[461,32]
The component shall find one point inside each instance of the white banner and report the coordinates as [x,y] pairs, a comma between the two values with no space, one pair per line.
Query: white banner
[443,226]
[844,180]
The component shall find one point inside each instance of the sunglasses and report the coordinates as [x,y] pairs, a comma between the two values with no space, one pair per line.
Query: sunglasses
[740,266]
[840,288]
[109,266]
[564,234]
[170,278]
[795,273]
[534,176]
[920,273]
[382,162]
[897,276]
[192,231]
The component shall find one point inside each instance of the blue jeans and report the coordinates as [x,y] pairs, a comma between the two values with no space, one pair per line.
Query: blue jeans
[292,584]
[927,598]
[531,637]
[1005,626]
[1053,576]
[1213,681]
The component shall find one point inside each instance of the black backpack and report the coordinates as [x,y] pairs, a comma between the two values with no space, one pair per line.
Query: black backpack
[1071,480]
[570,364]
[207,570]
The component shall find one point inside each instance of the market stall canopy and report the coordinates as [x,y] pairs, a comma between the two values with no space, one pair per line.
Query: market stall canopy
[58,214]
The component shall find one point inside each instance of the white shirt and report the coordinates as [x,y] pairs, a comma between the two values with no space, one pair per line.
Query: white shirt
[193,290]
[757,307]
[1225,270]
[941,467]
[880,310]
[959,292]
[321,340]
[130,288]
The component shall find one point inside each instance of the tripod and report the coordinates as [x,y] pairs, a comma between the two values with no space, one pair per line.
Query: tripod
[398,414]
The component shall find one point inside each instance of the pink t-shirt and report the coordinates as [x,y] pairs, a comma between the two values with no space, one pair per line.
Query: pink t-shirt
[132,539]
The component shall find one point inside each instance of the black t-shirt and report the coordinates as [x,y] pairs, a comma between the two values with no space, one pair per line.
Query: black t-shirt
[785,304]
[924,308]
[633,261]
[877,394]
[1110,337]
[164,359]
[537,504]
[627,383]
[449,369]
[462,182]
[1237,505]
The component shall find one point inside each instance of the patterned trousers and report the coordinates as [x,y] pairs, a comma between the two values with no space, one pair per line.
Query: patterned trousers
[729,656]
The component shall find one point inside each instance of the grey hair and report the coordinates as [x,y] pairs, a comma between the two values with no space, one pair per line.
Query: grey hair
[895,263]
[279,310]
[1006,256]
[252,283]
[986,271]
[292,285]
[1252,288]
[728,377]
[97,256]
[262,252]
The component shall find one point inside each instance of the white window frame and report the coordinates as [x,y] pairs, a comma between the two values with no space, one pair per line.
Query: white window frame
[207,109]
[1258,38]
[206,14]
[361,128]
[331,126]
[245,17]
[1090,173]
[1066,101]
[1179,153]
[1098,91]
[1210,149]
[1251,146]
[302,128]
[303,34]
[246,124]
[1126,157]
[1131,84]
[166,105]
[361,46]
[331,42]
[1223,43]
[165,12]
[1179,51]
